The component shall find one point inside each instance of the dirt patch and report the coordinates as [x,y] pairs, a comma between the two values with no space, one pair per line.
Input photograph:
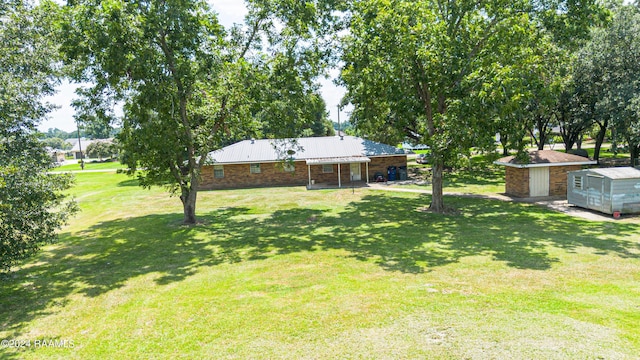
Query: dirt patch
[448,210]
[420,175]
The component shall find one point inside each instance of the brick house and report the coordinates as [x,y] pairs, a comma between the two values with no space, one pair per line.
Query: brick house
[332,160]
[544,175]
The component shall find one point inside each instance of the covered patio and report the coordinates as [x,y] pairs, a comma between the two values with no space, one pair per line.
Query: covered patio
[353,161]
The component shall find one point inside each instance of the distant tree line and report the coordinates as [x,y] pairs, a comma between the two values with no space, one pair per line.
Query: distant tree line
[590,89]
[55,137]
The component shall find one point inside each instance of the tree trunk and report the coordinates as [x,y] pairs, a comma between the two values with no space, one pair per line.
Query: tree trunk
[634,150]
[188,199]
[568,145]
[542,138]
[504,140]
[599,141]
[437,200]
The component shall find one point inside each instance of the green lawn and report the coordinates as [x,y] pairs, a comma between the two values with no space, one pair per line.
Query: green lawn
[290,273]
[483,178]
[606,152]
[112,165]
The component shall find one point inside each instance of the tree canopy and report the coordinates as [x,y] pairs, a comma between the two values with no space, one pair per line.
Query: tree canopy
[189,85]
[32,205]
[607,77]
[448,73]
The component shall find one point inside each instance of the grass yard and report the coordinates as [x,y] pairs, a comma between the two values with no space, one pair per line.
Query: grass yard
[489,180]
[290,273]
[109,165]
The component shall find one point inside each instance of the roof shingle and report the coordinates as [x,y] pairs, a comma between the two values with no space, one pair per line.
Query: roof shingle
[550,157]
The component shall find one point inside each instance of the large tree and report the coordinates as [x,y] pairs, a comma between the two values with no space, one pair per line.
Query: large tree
[440,71]
[189,85]
[607,79]
[32,206]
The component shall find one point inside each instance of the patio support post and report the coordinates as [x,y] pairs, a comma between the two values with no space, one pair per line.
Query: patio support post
[339,180]
[309,172]
[367,170]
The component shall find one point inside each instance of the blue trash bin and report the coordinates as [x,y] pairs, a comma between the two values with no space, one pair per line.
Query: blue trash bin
[391,173]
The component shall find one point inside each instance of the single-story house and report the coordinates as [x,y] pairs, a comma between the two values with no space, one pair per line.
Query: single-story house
[609,190]
[335,160]
[545,173]
[79,147]
[410,146]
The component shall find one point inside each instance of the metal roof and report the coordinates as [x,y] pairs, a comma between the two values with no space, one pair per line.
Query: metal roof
[339,160]
[330,147]
[617,172]
[543,158]
[84,142]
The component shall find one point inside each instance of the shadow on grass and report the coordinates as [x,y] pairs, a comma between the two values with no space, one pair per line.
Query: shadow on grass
[386,229]
[464,178]
[130,182]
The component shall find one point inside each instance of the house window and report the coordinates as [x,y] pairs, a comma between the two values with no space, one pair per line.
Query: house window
[289,167]
[255,168]
[577,182]
[327,168]
[218,171]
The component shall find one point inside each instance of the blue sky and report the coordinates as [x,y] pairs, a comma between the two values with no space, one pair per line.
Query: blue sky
[229,11]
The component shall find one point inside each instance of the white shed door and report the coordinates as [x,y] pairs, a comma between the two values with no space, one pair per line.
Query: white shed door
[539,181]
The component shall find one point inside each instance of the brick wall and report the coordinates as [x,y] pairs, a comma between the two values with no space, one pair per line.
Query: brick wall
[558,179]
[240,176]
[272,174]
[516,181]
[380,164]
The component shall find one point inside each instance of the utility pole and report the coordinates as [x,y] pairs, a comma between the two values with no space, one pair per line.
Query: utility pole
[80,146]
[339,127]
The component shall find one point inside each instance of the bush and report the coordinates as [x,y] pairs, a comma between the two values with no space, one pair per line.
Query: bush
[579,152]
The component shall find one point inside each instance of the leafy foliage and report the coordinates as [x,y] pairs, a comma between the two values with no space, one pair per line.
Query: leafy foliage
[32,206]
[451,74]
[607,78]
[60,134]
[189,85]
[101,149]
[57,143]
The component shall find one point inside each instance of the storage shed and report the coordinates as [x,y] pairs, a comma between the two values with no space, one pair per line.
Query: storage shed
[608,190]
[545,173]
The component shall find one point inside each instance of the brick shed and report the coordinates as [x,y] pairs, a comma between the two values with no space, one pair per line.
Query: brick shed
[544,175]
[335,160]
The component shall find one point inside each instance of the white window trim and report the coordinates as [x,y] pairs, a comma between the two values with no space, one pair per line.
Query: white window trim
[218,168]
